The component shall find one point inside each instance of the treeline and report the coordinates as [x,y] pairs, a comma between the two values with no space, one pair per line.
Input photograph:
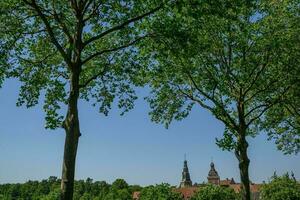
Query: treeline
[279,188]
[49,189]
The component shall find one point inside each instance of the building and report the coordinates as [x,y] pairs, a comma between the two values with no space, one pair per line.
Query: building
[187,189]
[213,176]
[186,179]
[187,192]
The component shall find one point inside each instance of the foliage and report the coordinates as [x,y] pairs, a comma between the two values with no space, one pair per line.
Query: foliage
[159,192]
[70,50]
[216,193]
[227,57]
[283,120]
[45,189]
[222,59]
[5,44]
[84,190]
[52,195]
[281,188]
[41,51]
[119,190]
[120,184]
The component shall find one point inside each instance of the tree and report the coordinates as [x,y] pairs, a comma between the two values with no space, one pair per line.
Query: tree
[71,50]
[120,184]
[281,188]
[119,190]
[283,120]
[53,195]
[216,193]
[5,44]
[102,189]
[118,194]
[98,190]
[134,188]
[162,192]
[227,57]
[86,196]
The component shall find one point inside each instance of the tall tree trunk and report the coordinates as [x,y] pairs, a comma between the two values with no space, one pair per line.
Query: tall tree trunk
[242,156]
[72,130]
[242,147]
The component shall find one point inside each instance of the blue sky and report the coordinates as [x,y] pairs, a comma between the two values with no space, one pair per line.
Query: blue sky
[129,147]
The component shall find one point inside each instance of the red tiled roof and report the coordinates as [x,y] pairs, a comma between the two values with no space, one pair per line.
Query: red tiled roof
[225,182]
[236,187]
[136,195]
[254,188]
[188,192]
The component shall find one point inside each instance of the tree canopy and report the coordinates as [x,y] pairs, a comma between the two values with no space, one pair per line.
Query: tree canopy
[233,58]
[216,193]
[161,192]
[49,189]
[283,119]
[43,49]
[279,188]
[70,50]
[243,50]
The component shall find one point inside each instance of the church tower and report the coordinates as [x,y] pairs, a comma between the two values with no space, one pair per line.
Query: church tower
[186,179]
[213,176]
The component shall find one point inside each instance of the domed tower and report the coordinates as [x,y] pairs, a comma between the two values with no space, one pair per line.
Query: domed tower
[186,179]
[213,176]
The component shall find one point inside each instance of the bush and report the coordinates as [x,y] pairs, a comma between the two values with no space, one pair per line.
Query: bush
[281,188]
[53,195]
[214,192]
[161,192]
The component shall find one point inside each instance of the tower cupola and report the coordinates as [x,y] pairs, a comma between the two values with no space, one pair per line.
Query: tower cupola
[213,176]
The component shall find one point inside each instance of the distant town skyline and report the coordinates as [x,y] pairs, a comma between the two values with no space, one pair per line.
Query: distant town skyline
[129,147]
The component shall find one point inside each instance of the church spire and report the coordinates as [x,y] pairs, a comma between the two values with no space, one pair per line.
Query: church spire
[186,179]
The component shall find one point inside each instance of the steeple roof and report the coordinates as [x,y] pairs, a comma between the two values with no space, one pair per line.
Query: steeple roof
[186,179]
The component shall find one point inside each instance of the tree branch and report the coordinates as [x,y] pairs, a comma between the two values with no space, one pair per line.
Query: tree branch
[257,75]
[271,104]
[60,22]
[35,61]
[49,30]
[99,74]
[293,110]
[218,104]
[262,90]
[113,49]
[94,10]
[74,4]
[191,97]
[259,115]
[122,25]
[255,108]
[232,79]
